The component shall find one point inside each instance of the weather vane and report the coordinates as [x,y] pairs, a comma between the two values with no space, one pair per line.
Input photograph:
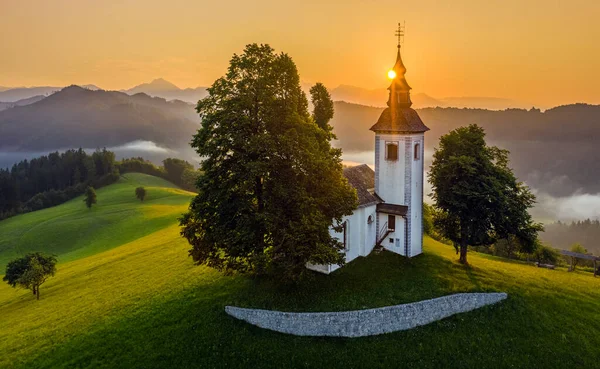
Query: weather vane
[400,33]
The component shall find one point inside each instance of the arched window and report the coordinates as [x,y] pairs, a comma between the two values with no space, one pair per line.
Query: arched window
[417,151]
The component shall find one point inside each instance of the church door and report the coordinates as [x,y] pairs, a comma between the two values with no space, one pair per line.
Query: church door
[391,222]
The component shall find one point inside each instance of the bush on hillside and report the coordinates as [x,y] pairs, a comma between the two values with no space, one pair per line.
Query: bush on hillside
[90,197]
[545,254]
[578,248]
[140,193]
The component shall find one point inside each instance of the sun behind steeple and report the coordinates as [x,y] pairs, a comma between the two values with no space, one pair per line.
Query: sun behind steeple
[398,117]
[399,89]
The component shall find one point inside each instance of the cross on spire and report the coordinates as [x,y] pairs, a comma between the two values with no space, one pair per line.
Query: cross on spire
[400,33]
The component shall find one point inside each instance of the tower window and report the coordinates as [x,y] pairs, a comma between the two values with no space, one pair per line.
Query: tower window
[391,151]
[417,151]
[402,97]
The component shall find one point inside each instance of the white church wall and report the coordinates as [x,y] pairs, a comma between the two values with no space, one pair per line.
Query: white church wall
[389,181]
[370,233]
[416,213]
[397,237]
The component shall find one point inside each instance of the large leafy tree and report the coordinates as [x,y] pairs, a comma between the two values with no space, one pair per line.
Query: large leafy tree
[272,185]
[477,195]
[30,271]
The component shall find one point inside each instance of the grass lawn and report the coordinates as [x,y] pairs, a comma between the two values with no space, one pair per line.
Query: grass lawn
[139,302]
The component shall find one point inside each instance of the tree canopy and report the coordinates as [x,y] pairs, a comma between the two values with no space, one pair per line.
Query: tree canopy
[90,197]
[30,271]
[323,106]
[477,195]
[52,179]
[578,248]
[272,185]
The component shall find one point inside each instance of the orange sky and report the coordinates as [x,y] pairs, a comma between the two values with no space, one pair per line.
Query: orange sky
[543,52]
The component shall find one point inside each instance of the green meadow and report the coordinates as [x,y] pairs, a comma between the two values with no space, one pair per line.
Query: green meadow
[126,295]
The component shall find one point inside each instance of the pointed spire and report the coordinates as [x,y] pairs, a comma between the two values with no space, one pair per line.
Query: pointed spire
[399,117]
[399,89]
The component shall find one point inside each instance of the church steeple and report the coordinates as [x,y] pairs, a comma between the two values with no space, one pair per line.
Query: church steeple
[399,117]
[399,89]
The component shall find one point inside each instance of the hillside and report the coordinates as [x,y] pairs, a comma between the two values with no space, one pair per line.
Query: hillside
[22,102]
[140,302]
[553,151]
[78,117]
[72,231]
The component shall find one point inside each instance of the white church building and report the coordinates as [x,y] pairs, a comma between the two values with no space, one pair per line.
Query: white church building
[390,210]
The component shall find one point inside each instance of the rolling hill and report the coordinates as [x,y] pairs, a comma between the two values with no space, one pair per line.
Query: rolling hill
[78,117]
[127,295]
[118,218]
[554,151]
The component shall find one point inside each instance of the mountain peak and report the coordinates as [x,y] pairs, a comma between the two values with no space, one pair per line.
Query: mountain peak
[163,84]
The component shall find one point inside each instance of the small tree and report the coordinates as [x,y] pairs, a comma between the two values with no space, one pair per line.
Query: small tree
[323,106]
[576,247]
[545,254]
[140,193]
[477,195]
[90,197]
[30,271]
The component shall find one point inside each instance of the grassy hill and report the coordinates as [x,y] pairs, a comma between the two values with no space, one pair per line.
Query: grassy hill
[140,302]
[72,231]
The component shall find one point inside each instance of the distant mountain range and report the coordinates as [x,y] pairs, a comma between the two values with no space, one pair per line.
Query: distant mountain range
[165,89]
[555,151]
[22,102]
[378,98]
[8,95]
[352,94]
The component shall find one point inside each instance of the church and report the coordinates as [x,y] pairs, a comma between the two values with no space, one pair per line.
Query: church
[390,209]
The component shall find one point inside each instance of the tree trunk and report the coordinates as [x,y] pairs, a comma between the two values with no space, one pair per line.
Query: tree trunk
[463,247]
[258,191]
[463,255]
[33,289]
[37,290]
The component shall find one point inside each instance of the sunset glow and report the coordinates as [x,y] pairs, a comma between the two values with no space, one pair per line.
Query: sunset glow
[453,48]
[391,74]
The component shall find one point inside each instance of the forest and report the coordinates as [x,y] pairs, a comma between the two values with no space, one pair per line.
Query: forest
[52,179]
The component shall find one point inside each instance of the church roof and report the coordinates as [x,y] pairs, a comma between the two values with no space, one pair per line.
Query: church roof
[399,120]
[398,117]
[362,178]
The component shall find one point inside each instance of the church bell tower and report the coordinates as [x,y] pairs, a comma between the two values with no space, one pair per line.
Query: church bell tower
[399,149]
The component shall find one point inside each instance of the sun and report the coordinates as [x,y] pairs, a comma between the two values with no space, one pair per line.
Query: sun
[391,74]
